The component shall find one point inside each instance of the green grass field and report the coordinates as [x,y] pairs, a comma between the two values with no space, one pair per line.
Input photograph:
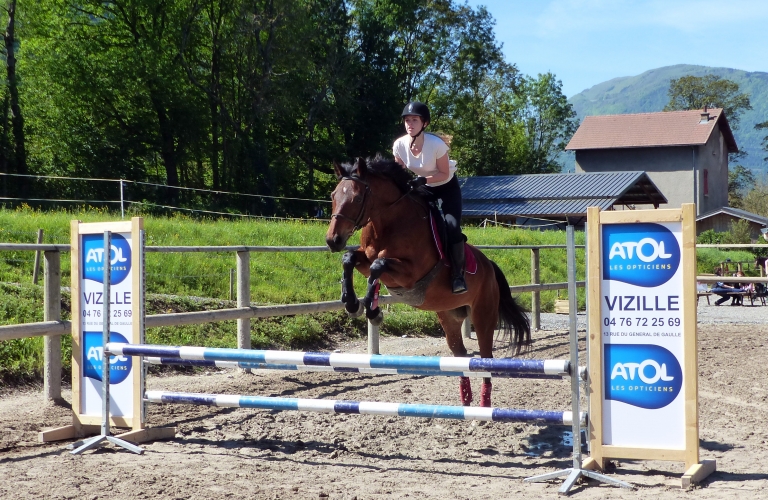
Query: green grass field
[197,281]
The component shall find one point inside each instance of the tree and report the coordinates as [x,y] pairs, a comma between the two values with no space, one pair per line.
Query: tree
[512,125]
[740,181]
[549,122]
[757,198]
[259,96]
[764,126]
[696,92]
[18,157]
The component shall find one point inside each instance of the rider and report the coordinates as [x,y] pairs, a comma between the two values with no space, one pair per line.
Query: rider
[427,156]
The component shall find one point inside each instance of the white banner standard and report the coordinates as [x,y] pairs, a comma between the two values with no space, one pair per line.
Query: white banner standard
[122,298]
[643,375]
[642,335]
[126,325]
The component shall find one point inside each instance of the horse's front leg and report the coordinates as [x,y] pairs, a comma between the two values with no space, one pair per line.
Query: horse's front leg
[348,297]
[371,299]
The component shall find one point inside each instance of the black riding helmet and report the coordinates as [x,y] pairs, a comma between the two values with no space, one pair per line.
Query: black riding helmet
[416,108]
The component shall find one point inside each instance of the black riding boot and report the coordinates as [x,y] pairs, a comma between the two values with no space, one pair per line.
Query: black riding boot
[457,268]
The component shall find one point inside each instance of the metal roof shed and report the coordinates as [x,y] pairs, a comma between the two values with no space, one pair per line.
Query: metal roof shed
[720,221]
[555,199]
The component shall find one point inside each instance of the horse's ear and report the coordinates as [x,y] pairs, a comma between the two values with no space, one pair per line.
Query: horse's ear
[361,167]
[337,170]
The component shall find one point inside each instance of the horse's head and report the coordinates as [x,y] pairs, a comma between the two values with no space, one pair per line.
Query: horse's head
[364,187]
[350,199]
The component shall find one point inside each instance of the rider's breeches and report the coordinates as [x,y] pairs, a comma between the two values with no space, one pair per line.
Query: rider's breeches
[450,194]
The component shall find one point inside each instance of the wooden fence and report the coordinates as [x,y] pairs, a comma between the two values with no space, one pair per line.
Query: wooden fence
[52,326]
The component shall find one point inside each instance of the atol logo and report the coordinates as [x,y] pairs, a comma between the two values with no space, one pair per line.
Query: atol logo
[646,255]
[646,376]
[93,258]
[120,366]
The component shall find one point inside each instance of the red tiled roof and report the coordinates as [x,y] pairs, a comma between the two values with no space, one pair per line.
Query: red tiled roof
[643,130]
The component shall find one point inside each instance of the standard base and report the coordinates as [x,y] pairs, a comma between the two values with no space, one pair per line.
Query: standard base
[96,441]
[149,434]
[67,432]
[573,476]
[698,472]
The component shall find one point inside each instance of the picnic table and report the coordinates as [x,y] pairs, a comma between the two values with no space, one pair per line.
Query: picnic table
[703,291]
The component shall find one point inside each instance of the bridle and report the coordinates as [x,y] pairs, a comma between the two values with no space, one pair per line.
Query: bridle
[356,221]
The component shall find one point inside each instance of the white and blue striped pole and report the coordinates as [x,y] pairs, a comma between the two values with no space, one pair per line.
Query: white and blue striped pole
[334,369]
[345,360]
[367,408]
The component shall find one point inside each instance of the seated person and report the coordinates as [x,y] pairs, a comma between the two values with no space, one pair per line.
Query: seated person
[723,289]
[738,300]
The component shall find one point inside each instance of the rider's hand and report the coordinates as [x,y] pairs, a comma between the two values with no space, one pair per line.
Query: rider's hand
[417,182]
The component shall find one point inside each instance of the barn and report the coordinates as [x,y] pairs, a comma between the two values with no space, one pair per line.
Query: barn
[552,201]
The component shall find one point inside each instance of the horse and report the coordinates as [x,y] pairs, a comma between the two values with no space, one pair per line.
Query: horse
[397,248]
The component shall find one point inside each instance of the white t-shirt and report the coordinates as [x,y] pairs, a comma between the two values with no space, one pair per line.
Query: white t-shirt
[425,164]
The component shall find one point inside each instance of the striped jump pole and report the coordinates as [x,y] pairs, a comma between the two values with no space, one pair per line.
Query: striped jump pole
[344,360]
[367,408]
[334,369]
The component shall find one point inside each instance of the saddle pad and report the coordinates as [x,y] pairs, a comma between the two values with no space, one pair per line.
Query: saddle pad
[470,263]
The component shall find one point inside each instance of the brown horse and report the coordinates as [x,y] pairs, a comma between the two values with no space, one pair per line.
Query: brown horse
[397,248]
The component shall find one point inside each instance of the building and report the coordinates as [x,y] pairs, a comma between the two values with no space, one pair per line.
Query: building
[684,153]
[720,221]
[554,200]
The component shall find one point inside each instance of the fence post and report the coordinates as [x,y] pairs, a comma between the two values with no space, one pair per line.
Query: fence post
[535,296]
[36,270]
[52,312]
[373,339]
[466,327]
[244,298]
[122,201]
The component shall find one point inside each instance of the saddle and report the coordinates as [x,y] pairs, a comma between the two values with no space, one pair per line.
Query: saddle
[415,296]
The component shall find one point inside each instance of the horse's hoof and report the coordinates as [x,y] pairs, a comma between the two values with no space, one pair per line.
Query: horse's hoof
[377,319]
[485,395]
[355,311]
[465,389]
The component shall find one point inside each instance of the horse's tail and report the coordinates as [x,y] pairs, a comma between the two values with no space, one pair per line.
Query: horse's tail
[513,321]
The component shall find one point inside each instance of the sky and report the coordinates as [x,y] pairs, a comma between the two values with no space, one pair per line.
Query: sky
[586,42]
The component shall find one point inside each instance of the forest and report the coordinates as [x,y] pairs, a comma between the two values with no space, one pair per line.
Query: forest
[255,97]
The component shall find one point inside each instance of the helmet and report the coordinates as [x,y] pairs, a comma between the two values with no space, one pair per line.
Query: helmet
[418,109]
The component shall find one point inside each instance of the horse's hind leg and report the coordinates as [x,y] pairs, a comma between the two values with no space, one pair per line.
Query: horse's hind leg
[353,306]
[451,322]
[485,318]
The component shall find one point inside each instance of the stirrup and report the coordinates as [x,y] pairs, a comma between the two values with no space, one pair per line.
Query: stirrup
[459,285]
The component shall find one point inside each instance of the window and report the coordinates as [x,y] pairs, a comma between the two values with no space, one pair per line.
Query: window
[705,186]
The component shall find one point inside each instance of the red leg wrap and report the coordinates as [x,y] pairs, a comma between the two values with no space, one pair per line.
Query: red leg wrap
[485,395]
[465,388]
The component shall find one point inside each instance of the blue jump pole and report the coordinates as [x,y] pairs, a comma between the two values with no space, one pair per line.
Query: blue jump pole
[344,360]
[366,408]
[334,369]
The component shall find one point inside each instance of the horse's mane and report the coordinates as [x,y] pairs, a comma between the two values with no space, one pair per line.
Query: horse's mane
[381,167]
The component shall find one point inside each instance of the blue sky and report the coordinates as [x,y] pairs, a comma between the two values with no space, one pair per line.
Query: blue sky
[586,42]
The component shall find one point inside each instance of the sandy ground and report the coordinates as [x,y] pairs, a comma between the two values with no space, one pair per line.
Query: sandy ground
[260,454]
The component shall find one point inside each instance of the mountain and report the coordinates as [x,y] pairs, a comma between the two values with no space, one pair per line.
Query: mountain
[647,92]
